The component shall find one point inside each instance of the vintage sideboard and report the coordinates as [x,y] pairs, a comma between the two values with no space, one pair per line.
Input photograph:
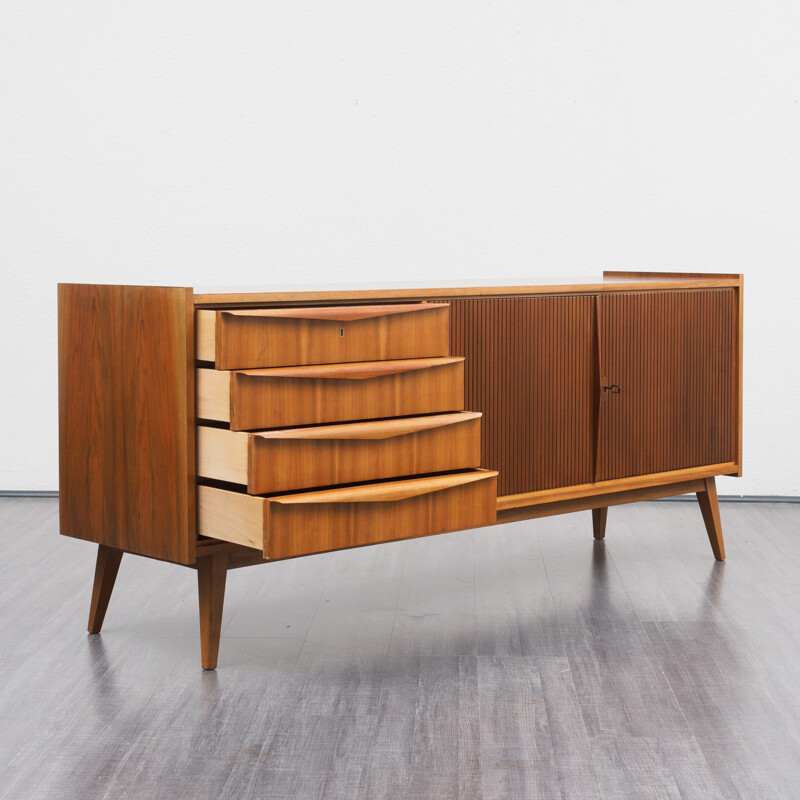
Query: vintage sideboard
[223,429]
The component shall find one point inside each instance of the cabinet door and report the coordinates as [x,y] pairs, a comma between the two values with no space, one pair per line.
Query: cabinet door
[530,369]
[667,364]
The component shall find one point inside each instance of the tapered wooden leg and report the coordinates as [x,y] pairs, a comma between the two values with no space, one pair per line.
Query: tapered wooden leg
[599,516]
[211,574]
[105,573]
[709,505]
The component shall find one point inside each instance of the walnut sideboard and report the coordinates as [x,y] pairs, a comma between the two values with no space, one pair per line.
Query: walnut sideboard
[226,429]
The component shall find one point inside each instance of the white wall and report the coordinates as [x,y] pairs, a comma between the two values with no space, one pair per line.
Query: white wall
[196,143]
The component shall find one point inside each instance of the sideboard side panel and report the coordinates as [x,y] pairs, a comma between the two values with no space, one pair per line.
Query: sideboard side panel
[530,368]
[126,418]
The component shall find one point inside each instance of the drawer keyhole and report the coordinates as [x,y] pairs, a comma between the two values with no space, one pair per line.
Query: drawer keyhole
[341,333]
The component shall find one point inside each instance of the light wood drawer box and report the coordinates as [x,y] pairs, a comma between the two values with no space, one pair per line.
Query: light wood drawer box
[313,522]
[298,458]
[276,337]
[313,395]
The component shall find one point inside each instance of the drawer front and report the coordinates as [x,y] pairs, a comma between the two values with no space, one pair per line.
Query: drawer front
[314,522]
[279,337]
[285,460]
[282,398]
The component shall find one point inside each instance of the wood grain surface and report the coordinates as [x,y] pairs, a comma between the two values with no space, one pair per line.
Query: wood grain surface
[284,397]
[279,337]
[126,418]
[105,574]
[709,506]
[212,572]
[320,521]
[635,275]
[231,298]
[314,522]
[599,519]
[598,488]
[569,505]
[283,460]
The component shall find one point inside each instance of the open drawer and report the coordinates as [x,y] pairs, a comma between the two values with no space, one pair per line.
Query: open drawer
[313,522]
[288,396]
[276,337]
[267,462]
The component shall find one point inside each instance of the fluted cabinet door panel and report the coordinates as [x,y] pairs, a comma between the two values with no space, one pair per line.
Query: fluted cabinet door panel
[669,359]
[530,369]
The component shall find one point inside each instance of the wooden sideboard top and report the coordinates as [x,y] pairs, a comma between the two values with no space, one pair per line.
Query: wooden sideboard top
[610,281]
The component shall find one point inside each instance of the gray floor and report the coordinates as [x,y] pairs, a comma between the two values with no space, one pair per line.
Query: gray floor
[521,661]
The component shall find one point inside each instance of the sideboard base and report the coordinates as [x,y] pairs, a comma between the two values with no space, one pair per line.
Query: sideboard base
[215,558]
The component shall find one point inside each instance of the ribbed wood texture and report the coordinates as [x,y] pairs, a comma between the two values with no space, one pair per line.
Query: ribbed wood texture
[673,357]
[530,369]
